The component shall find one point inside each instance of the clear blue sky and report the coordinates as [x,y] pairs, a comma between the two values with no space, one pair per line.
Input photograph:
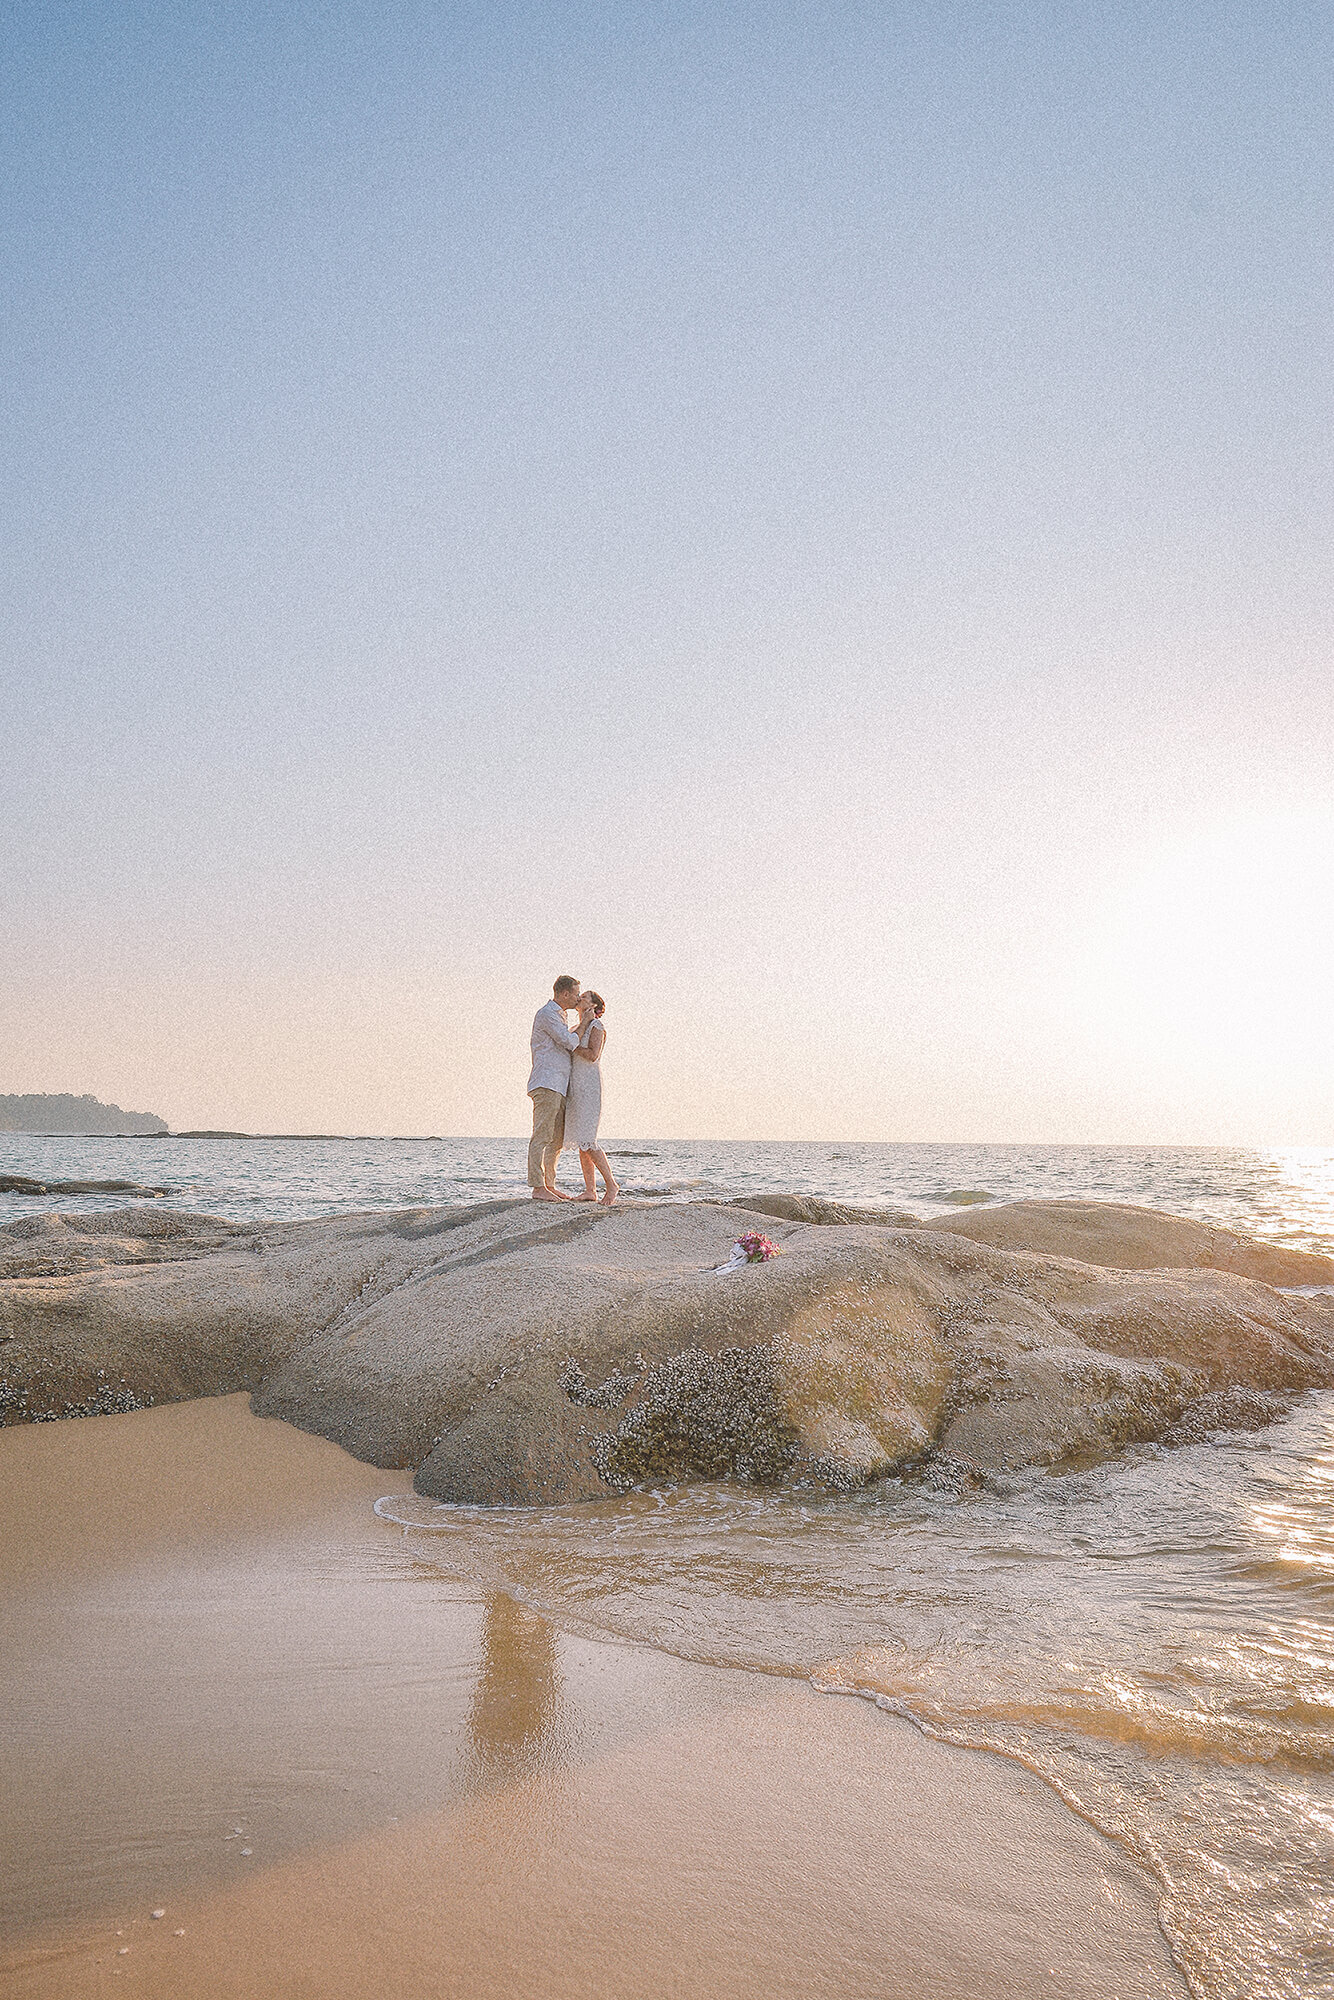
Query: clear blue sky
[817,519]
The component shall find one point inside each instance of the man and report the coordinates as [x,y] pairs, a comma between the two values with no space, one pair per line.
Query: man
[548,1085]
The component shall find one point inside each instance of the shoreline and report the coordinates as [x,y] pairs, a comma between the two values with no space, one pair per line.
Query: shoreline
[207,1628]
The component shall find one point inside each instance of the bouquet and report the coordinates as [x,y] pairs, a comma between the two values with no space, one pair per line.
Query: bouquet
[752,1248]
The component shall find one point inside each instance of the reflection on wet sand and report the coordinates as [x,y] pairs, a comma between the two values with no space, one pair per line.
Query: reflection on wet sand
[338,1774]
[516,1704]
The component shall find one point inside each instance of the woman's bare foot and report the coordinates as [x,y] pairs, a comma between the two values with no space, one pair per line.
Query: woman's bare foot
[583,1197]
[609,1194]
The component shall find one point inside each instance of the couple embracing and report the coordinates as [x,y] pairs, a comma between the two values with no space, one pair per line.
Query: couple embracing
[566,1089]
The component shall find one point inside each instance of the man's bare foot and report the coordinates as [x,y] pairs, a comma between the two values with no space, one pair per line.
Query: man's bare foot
[547,1194]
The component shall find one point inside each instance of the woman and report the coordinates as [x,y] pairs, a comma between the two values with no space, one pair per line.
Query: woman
[583,1102]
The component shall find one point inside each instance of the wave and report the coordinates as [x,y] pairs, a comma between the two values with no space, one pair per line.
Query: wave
[1132,1635]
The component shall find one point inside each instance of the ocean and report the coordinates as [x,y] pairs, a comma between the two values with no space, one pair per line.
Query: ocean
[1284,1194]
[1154,1637]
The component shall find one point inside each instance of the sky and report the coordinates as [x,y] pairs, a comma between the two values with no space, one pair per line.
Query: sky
[815,519]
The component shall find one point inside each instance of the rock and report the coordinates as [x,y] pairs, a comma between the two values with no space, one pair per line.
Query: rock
[48,1246]
[813,1208]
[1224,1410]
[1127,1238]
[509,1354]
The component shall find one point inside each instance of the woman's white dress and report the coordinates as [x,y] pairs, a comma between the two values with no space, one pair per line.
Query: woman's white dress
[583,1100]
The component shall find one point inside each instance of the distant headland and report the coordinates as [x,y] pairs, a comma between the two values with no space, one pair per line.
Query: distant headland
[59,1115]
[84,1117]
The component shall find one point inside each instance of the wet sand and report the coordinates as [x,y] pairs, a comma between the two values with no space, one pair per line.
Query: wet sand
[235,1695]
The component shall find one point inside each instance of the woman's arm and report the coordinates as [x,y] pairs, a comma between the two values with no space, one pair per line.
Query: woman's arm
[595,1041]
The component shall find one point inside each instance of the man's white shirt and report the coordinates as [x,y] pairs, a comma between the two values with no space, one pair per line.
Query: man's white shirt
[552,1042]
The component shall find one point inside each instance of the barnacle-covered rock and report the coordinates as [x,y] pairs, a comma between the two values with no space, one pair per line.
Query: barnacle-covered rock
[514,1354]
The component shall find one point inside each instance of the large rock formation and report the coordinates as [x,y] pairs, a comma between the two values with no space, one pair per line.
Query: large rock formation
[816,1208]
[518,1354]
[1133,1239]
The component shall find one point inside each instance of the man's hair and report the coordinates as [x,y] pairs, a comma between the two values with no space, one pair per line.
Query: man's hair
[566,984]
[599,1004]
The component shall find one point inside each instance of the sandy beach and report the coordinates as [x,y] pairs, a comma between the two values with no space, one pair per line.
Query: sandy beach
[238,1697]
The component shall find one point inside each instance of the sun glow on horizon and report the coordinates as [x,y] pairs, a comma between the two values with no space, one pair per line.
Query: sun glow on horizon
[1212,962]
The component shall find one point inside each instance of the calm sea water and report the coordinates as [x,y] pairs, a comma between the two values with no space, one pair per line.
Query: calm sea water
[1154,1637]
